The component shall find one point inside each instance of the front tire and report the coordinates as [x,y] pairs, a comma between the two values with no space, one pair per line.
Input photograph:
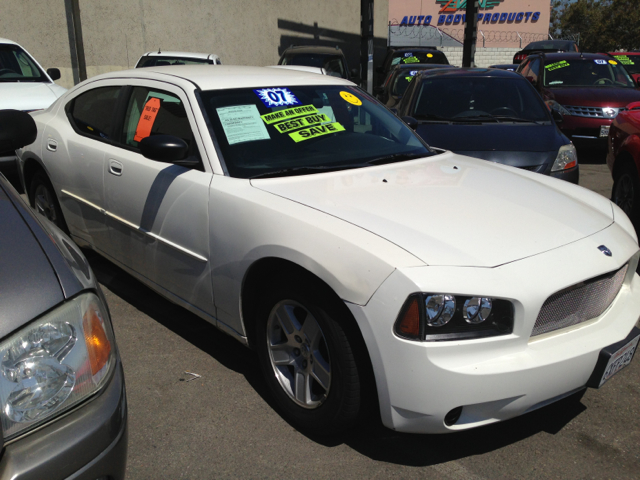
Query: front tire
[307,359]
[43,199]
[626,192]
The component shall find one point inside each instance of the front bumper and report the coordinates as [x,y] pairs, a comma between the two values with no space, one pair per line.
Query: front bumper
[584,132]
[88,443]
[496,378]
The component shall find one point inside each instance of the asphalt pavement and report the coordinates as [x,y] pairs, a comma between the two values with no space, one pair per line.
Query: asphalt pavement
[198,409]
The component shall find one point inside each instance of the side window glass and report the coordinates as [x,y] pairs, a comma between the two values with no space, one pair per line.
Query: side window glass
[155,112]
[525,70]
[534,70]
[92,112]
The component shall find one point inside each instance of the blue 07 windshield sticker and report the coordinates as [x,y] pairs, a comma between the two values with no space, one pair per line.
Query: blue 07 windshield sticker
[600,62]
[277,97]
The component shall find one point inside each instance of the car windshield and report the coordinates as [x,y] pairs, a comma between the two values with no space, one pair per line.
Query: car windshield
[583,72]
[333,64]
[157,61]
[404,57]
[552,45]
[17,66]
[630,62]
[464,99]
[293,130]
[400,81]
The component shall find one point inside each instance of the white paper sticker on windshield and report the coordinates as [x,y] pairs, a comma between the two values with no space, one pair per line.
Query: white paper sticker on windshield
[242,123]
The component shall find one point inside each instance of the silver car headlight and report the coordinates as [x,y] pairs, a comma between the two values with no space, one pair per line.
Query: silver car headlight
[54,363]
[567,158]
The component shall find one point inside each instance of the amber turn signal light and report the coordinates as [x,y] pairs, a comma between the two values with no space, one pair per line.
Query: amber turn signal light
[408,324]
[95,337]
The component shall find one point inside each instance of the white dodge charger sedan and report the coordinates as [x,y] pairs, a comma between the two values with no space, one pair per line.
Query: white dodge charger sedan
[301,217]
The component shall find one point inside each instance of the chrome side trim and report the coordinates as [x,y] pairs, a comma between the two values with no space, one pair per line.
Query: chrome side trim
[138,228]
[584,136]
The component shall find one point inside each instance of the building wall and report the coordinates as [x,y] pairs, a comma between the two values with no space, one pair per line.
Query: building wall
[508,24]
[241,32]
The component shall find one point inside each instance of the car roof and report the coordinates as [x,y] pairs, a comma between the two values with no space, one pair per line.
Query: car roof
[313,49]
[203,56]
[6,40]
[417,49]
[226,76]
[421,66]
[470,72]
[542,44]
[574,55]
[624,53]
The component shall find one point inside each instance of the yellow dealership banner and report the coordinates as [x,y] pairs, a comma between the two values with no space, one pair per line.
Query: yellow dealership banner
[316,131]
[296,123]
[280,115]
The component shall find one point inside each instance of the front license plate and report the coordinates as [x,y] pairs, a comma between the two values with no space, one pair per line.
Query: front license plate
[604,130]
[614,358]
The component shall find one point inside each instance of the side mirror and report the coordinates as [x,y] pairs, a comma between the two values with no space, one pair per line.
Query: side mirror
[533,81]
[411,122]
[557,116]
[164,148]
[54,73]
[17,129]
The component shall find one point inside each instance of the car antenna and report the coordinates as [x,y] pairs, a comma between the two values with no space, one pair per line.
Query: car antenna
[159,52]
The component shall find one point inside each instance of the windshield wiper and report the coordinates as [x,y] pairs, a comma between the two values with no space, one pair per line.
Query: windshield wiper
[288,172]
[475,118]
[517,119]
[398,157]
[431,117]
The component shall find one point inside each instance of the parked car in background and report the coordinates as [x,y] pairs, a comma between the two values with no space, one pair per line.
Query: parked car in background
[623,159]
[24,85]
[546,46]
[587,89]
[406,56]
[306,220]
[630,61]
[391,92]
[160,58]
[331,59]
[512,67]
[301,68]
[62,392]
[490,114]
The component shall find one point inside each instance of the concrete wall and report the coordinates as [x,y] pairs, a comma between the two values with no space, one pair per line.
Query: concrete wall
[242,32]
[484,56]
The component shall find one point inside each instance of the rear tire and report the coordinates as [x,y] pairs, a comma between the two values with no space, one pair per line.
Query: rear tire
[43,199]
[307,358]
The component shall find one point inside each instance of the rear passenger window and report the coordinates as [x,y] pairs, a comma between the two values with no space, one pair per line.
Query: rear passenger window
[92,112]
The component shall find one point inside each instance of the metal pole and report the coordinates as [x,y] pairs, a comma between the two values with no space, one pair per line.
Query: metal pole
[370,51]
[470,34]
[79,43]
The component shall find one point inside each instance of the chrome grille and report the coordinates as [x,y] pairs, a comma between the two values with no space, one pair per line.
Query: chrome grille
[595,112]
[579,303]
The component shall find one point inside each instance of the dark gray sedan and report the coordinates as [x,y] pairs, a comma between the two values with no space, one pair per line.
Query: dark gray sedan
[62,393]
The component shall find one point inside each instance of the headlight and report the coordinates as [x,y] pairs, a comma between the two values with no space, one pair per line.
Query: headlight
[441,317]
[567,158]
[54,363]
[553,105]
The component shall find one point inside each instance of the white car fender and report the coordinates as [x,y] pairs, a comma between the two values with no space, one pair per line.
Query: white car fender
[351,260]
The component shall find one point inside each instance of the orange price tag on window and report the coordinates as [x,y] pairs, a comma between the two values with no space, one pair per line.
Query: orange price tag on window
[147,117]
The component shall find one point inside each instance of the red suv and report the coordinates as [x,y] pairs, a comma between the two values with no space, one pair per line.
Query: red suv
[587,89]
[623,159]
[631,61]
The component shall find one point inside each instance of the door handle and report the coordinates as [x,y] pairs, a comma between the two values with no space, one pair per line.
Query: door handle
[52,145]
[115,168]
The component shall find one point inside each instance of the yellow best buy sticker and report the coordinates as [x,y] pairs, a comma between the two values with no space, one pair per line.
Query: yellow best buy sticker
[316,131]
[557,65]
[430,55]
[349,97]
[292,112]
[295,123]
[613,62]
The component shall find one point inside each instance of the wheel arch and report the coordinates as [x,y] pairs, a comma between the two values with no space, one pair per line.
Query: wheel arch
[272,269]
[629,152]
[31,166]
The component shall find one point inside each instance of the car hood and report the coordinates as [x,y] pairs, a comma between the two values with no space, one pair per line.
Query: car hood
[453,210]
[29,285]
[499,137]
[28,96]
[595,96]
